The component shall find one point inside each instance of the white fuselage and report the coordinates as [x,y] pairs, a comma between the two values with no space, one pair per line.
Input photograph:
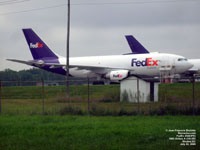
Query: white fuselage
[137,64]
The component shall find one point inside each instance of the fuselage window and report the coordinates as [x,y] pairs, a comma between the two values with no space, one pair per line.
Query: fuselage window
[182,59]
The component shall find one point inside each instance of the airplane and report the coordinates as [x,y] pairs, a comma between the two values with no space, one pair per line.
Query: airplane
[114,67]
[141,50]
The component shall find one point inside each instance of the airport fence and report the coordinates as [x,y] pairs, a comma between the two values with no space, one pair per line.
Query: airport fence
[89,97]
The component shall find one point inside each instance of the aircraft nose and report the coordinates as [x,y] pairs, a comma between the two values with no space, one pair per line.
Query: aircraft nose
[189,65]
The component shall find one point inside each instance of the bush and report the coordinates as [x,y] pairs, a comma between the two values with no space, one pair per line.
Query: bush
[173,109]
[97,111]
[71,110]
[102,111]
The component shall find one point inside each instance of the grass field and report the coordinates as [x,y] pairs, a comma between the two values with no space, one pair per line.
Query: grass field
[37,132]
[104,100]
[77,91]
[109,127]
[177,90]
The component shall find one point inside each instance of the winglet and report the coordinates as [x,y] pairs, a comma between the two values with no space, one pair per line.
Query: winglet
[135,46]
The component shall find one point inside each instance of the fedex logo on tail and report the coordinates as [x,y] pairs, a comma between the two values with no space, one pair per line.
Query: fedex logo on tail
[146,62]
[36,45]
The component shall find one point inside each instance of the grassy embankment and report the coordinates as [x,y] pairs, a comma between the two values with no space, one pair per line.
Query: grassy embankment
[21,132]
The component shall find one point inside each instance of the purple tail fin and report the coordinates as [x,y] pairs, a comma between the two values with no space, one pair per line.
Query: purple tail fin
[38,48]
[135,46]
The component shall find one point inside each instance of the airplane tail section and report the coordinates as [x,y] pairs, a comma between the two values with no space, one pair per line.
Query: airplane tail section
[37,47]
[135,46]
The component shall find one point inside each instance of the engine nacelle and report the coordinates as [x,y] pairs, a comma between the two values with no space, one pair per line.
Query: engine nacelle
[117,75]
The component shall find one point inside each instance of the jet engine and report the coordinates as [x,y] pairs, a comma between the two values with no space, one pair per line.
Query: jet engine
[117,75]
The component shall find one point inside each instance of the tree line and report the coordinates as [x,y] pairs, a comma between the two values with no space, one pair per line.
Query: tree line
[32,74]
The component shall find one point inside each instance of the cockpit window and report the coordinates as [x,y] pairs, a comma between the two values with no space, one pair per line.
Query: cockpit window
[182,59]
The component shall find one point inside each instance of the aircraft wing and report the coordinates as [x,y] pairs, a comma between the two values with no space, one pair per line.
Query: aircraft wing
[78,66]
[95,69]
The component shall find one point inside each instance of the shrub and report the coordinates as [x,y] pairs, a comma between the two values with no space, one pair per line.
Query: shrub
[71,110]
[97,111]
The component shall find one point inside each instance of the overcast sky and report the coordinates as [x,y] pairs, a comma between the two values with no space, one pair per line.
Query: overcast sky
[171,26]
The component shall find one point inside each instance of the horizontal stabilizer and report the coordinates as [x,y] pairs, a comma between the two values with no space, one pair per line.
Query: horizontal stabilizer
[21,61]
[37,63]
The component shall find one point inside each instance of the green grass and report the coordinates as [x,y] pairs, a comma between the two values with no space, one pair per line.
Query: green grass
[180,91]
[53,106]
[177,98]
[21,132]
[35,92]
[22,128]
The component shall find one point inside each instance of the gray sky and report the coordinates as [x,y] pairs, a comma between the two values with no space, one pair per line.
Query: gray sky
[171,26]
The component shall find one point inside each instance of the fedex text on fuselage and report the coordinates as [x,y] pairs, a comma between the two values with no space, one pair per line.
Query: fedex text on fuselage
[146,62]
